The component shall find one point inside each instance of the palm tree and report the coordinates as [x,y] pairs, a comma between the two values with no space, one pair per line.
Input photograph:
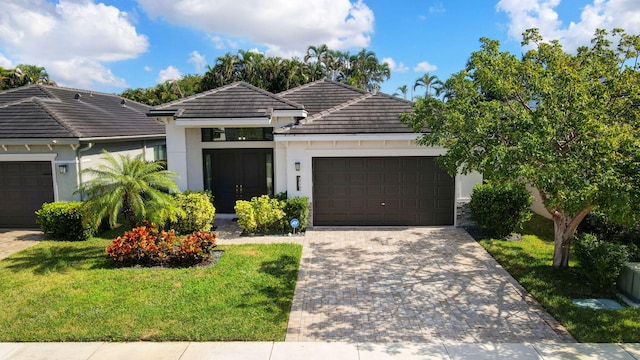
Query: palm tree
[318,53]
[364,71]
[33,74]
[402,91]
[428,82]
[140,189]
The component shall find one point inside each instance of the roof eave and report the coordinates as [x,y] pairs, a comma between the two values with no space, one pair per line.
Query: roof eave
[226,121]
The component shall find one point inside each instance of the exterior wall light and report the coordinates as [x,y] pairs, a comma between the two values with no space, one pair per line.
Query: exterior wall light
[62,169]
[297,166]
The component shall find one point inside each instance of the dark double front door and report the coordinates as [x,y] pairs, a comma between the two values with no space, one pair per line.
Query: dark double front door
[237,174]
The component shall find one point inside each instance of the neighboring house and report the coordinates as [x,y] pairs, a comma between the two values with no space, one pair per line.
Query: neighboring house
[345,149]
[48,135]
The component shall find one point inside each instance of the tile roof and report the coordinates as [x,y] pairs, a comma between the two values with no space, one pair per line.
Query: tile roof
[237,100]
[42,111]
[322,95]
[369,113]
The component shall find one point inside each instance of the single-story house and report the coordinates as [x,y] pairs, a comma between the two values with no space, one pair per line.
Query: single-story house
[343,148]
[49,134]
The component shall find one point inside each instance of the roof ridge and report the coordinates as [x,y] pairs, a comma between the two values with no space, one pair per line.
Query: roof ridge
[272,95]
[198,95]
[229,86]
[19,101]
[309,84]
[391,97]
[41,103]
[300,87]
[338,107]
[48,88]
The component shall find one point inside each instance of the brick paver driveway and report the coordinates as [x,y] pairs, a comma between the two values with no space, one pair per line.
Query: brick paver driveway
[12,241]
[417,284]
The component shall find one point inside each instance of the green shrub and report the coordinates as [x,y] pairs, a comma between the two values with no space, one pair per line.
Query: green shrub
[146,245]
[598,224]
[600,261]
[499,209]
[246,216]
[296,208]
[261,215]
[199,212]
[65,221]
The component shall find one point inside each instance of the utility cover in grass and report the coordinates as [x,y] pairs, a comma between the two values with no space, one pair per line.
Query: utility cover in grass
[599,304]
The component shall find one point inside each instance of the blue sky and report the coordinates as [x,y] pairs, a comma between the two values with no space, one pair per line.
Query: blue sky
[110,45]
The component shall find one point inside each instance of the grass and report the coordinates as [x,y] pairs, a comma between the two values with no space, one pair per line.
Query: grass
[529,261]
[69,291]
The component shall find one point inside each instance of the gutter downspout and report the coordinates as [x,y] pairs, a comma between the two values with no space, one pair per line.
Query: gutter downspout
[79,165]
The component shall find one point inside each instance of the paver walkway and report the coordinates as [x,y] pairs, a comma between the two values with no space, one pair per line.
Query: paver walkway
[417,285]
[12,241]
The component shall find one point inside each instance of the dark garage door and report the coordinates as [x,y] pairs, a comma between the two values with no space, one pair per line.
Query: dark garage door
[24,186]
[381,191]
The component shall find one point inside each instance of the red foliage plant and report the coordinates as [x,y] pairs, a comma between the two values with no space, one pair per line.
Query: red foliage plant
[145,245]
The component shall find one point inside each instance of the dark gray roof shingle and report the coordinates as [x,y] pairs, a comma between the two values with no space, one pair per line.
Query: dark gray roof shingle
[237,100]
[368,114]
[41,111]
[322,95]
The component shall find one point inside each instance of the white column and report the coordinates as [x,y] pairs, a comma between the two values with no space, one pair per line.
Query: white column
[177,153]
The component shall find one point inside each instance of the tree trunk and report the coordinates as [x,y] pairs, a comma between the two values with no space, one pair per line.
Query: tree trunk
[564,228]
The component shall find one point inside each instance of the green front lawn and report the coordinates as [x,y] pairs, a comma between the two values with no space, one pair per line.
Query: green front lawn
[529,261]
[69,291]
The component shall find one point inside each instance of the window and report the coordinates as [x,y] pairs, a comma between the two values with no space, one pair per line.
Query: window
[237,134]
[160,153]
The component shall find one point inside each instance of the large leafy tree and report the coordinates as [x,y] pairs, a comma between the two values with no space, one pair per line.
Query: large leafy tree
[567,124]
[137,188]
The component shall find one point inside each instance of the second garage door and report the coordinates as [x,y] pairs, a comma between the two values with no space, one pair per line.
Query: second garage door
[381,191]
[24,186]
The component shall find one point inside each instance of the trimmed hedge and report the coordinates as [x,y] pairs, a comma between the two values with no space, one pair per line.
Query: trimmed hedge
[65,221]
[499,209]
[261,215]
[296,208]
[266,215]
[601,261]
[199,212]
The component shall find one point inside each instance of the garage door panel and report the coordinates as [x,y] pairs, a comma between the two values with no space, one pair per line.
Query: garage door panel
[26,185]
[415,191]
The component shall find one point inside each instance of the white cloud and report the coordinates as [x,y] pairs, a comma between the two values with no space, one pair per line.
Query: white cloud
[147,68]
[425,67]
[397,67]
[198,61]
[79,36]
[170,73]
[5,62]
[82,73]
[541,14]
[437,9]
[282,25]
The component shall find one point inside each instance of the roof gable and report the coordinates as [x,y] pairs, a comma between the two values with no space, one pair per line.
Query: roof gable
[322,95]
[237,100]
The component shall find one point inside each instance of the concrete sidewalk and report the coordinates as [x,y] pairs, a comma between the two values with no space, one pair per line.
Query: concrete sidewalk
[311,351]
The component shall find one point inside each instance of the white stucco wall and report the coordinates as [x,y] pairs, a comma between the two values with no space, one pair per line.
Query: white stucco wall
[65,185]
[184,156]
[287,153]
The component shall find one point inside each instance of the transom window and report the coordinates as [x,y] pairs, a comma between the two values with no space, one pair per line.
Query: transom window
[237,134]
